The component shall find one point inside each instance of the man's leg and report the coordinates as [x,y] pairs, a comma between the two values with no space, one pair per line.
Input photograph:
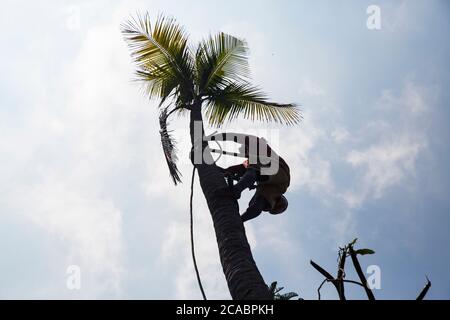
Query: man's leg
[247,180]
[257,205]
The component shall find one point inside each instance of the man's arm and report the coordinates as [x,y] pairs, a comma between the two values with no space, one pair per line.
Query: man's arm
[237,170]
[243,139]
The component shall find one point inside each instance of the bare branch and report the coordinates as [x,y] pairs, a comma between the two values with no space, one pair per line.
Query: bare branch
[424,290]
[326,274]
[360,273]
[341,273]
[335,280]
[320,287]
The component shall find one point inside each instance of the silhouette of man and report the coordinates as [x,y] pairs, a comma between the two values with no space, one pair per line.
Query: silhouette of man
[265,168]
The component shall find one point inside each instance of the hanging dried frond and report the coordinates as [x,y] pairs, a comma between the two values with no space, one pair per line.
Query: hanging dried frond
[169,147]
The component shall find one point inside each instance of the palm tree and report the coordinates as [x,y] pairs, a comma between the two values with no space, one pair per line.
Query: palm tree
[211,80]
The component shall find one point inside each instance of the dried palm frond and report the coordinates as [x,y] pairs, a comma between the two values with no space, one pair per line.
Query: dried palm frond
[169,147]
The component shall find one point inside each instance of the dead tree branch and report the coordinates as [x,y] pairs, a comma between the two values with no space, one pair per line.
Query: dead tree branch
[424,290]
[360,273]
[341,273]
[325,273]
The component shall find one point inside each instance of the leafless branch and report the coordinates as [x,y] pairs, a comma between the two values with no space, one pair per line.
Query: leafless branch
[320,287]
[424,290]
[360,273]
[341,273]
[333,281]
[327,275]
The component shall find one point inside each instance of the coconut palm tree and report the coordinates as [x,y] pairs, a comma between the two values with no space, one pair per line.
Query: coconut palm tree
[211,81]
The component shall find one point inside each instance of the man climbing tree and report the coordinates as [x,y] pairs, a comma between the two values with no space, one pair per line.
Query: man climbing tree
[264,167]
[208,80]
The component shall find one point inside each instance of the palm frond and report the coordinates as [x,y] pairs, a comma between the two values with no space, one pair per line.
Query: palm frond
[226,103]
[221,58]
[273,287]
[275,292]
[162,56]
[286,296]
[169,147]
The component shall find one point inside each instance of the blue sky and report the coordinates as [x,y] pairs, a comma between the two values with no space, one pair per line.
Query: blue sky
[83,179]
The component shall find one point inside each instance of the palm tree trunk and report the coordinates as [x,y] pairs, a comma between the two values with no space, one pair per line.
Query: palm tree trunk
[242,275]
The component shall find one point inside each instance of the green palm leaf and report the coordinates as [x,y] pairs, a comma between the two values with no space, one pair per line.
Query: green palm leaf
[226,103]
[164,61]
[221,58]
[218,74]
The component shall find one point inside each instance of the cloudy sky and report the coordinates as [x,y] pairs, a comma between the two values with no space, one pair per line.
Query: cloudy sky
[83,180]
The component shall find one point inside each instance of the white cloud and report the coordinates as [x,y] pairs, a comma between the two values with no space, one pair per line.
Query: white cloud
[391,157]
[340,135]
[403,16]
[309,168]
[383,165]
[412,101]
[74,138]
[87,225]
[310,88]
